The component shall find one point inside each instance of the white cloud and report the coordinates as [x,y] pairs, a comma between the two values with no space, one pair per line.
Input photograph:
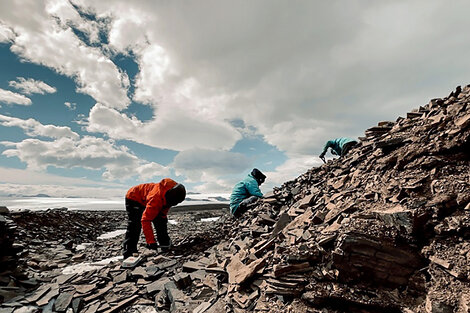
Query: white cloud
[68,16]
[216,186]
[321,70]
[34,128]
[115,124]
[88,152]
[184,116]
[68,150]
[207,165]
[289,170]
[304,135]
[71,105]
[170,80]
[6,34]
[125,30]
[212,170]
[27,182]
[7,96]
[173,128]
[149,170]
[154,65]
[30,86]
[133,167]
[43,37]
[19,176]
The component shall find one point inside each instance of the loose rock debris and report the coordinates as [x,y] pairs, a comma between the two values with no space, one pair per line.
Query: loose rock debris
[385,229]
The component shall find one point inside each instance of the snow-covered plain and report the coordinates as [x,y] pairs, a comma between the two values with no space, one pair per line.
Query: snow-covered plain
[43,203]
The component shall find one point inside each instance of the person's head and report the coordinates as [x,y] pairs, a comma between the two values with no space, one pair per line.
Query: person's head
[175,195]
[260,177]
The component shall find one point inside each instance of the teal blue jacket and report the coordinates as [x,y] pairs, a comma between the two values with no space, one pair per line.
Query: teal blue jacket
[242,190]
[336,144]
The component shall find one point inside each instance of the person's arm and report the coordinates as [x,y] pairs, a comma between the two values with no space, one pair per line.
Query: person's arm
[328,144]
[153,208]
[253,188]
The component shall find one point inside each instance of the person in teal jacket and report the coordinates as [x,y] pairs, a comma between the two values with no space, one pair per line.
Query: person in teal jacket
[339,146]
[246,192]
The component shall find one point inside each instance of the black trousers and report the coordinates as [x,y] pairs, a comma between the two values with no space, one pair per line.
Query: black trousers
[245,205]
[134,226]
[348,146]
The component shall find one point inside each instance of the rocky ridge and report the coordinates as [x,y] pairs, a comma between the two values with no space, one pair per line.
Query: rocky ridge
[385,229]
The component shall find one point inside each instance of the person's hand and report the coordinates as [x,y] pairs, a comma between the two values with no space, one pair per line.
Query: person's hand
[322,157]
[153,246]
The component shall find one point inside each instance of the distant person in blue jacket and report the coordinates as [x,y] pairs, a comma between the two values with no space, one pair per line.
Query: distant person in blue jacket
[246,192]
[339,146]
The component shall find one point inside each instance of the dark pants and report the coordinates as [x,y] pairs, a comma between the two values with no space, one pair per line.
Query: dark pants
[347,146]
[134,225]
[245,205]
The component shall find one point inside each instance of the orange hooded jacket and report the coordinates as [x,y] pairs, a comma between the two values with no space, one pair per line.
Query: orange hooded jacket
[152,195]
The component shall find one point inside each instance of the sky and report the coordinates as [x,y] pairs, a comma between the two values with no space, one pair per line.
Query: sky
[98,96]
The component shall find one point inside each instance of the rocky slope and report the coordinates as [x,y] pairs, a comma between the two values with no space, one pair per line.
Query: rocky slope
[385,229]
[46,249]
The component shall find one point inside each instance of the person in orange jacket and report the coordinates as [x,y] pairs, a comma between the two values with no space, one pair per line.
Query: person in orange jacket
[147,204]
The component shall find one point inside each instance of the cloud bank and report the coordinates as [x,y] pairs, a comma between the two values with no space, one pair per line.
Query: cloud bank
[69,150]
[30,86]
[296,74]
[10,97]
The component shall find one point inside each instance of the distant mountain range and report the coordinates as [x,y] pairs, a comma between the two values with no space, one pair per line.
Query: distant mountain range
[39,195]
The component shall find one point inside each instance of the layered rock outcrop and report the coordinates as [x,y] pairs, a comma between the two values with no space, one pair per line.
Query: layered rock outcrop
[385,228]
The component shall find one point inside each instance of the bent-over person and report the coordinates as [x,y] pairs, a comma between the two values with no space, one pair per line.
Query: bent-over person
[148,204]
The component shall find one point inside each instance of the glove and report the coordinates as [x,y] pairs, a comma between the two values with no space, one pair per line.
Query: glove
[322,157]
[153,246]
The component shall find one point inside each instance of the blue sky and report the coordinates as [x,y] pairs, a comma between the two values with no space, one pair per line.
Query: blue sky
[97,97]
[51,109]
